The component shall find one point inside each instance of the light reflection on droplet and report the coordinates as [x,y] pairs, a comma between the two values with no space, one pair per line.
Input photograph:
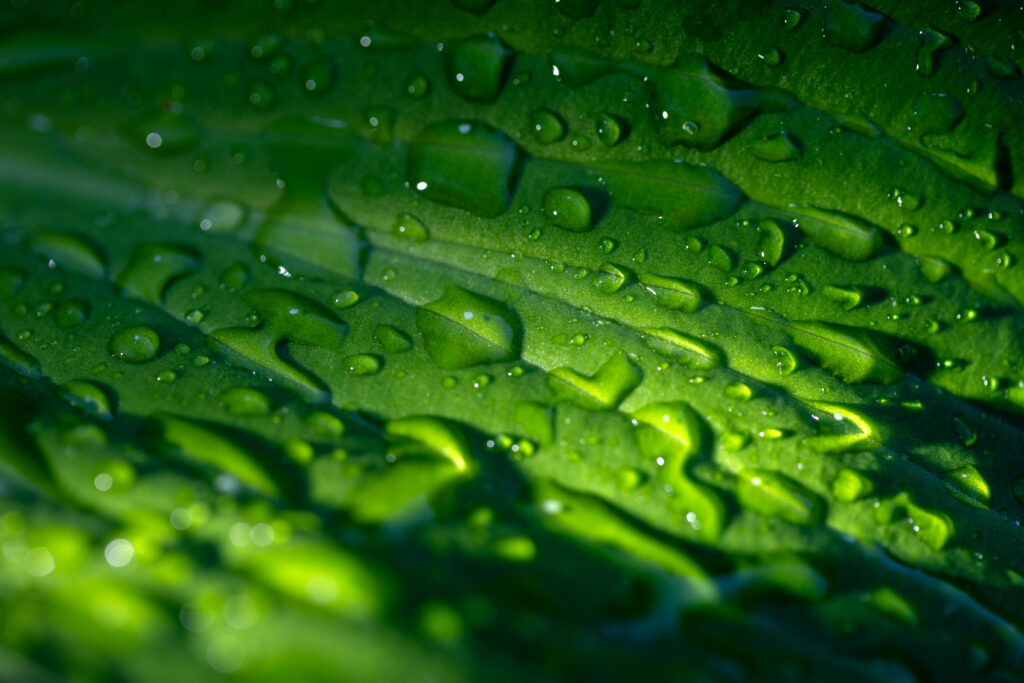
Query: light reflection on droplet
[119,552]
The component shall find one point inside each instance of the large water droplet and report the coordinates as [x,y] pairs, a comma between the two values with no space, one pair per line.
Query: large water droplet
[135,344]
[466,165]
[476,68]
[463,328]
[568,209]
[849,26]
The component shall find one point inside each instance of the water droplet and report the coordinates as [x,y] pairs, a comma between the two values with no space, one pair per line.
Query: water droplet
[608,128]
[71,313]
[967,485]
[933,268]
[221,217]
[417,86]
[70,251]
[893,605]
[775,148]
[771,242]
[967,10]
[849,26]
[135,345]
[463,328]
[845,236]
[695,104]
[317,76]
[605,389]
[847,297]
[675,421]
[409,226]
[465,165]
[361,364]
[234,277]
[163,131]
[721,258]
[476,68]
[261,94]
[791,19]
[935,114]
[930,43]
[245,402]
[738,391]
[391,339]
[776,495]
[685,196]
[609,278]
[672,293]
[548,127]
[850,486]
[964,432]
[852,354]
[568,209]
[87,397]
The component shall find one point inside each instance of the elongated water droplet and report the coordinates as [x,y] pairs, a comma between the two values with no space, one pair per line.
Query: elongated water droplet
[70,251]
[967,485]
[88,397]
[693,353]
[775,148]
[672,293]
[245,402]
[843,235]
[776,495]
